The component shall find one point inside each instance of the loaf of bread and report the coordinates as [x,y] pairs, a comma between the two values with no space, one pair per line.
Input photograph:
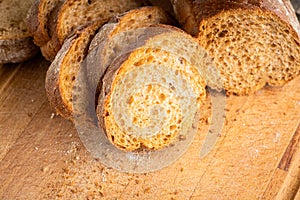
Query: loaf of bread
[253,43]
[39,19]
[15,40]
[63,71]
[74,14]
[152,90]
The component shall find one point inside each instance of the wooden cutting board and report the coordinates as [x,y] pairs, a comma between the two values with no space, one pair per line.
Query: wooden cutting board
[257,155]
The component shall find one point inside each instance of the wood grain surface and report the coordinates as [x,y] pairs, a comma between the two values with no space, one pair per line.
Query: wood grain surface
[257,155]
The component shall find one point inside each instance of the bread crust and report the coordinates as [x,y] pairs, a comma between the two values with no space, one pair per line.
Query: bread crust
[52,81]
[200,12]
[17,50]
[39,20]
[52,45]
[114,68]
[15,38]
[203,9]
[32,17]
[57,37]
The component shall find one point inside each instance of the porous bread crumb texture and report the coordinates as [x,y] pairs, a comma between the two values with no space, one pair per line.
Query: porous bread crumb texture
[149,102]
[45,10]
[251,48]
[74,14]
[129,23]
[72,60]
[12,20]
[140,17]
[188,48]
[42,32]
[71,64]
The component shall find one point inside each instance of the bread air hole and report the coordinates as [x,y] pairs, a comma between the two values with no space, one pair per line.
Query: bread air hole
[223,33]
[162,97]
[130,100]
[112,138]
[173,127]
[216,30]
[79,59]
[291,58]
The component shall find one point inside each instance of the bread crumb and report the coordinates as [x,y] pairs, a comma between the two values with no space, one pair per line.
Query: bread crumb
[45,169]
[277,137]
[147,190]
[52,116]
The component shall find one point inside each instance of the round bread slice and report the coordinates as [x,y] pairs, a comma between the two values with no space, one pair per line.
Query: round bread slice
[15,40]
[151,100]
[151,91]
[77,13]
[63,71]
[253,43]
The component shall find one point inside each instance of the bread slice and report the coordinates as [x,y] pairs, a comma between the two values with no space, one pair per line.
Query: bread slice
[151,92]
[253,43]
[130,20]
[39,20]
[77,13]
[64,69]
[15,40]
[62,72]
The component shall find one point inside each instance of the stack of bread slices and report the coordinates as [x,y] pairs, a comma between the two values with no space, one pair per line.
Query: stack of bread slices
[153,74]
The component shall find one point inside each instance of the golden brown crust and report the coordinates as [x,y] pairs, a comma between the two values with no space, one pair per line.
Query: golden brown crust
[58,35]
[52,45]
[203,20]
[58,94]
[284,10]
[200,10]
[39,20]
[190,13]
[158,94]
[52,81]
[153,38]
